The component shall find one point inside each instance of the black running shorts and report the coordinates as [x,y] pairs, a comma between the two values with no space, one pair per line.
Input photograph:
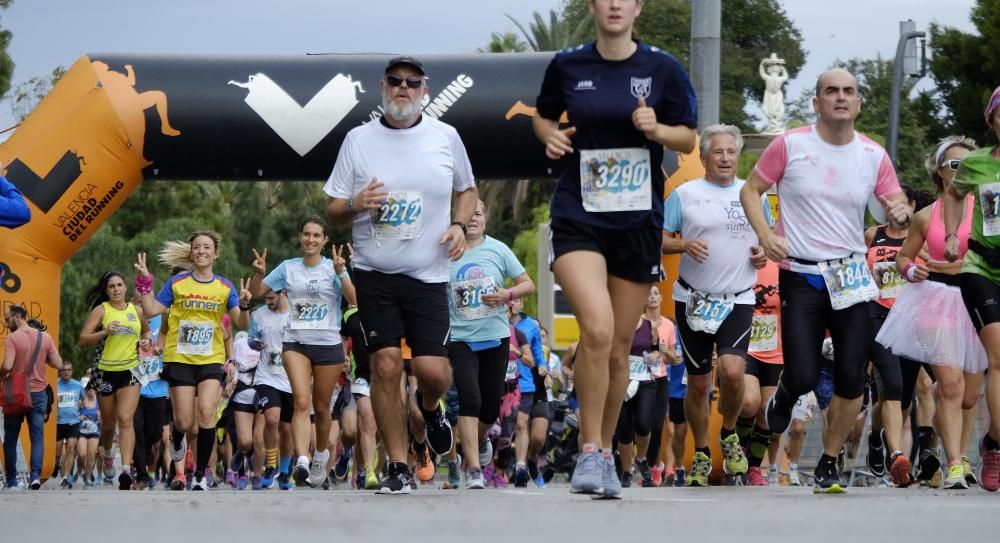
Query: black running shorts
[394,306]
[633,255]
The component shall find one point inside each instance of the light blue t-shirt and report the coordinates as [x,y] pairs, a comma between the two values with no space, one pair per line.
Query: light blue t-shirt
[481,270]
[314,294]
[157,387]
[69,393]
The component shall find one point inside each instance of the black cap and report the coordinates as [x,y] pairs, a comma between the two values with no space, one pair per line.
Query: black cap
[406,60]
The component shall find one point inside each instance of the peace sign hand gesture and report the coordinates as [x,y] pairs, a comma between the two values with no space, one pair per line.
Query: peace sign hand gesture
[259,262]
[245,294]
[140,265]
[339,264]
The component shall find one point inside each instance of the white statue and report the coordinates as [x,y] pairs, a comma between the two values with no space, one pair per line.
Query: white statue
[772,71]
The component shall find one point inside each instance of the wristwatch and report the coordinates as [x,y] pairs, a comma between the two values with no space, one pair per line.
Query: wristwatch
[465,229]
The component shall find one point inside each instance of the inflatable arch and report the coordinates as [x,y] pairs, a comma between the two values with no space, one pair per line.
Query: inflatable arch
[116,119]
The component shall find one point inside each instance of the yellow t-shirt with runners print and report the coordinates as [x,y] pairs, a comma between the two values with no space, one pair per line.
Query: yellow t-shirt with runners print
[196,309]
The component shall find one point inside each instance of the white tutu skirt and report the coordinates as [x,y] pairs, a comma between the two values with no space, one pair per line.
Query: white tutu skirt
[929,323]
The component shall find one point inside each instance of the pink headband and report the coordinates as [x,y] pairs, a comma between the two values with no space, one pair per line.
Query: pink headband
[992,105]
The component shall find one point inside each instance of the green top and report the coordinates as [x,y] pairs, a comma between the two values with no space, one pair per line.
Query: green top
[980,171]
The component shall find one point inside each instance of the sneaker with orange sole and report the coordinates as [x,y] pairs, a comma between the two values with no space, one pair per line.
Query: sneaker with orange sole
[657,473]
[900,470]
[425,466]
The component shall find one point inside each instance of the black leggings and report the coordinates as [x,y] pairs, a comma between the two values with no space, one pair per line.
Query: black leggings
[887,365]
[660,404]
[479,379]
[911,370]
[637,413]
[805,317]
[148,422]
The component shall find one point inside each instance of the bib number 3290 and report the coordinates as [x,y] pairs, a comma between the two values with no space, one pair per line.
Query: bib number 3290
[848,281]
[615,179]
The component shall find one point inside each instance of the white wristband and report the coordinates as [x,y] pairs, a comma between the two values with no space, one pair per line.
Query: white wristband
[344,276]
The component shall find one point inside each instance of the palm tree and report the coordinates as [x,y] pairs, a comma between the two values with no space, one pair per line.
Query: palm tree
[508,42]
[557,35]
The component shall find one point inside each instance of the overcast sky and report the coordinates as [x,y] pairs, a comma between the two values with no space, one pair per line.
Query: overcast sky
[49,33]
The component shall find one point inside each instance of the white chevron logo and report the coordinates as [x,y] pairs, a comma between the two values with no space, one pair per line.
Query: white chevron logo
[302,127]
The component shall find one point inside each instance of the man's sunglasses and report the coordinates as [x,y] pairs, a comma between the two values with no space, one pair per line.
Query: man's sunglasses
[413,83]
[951,164]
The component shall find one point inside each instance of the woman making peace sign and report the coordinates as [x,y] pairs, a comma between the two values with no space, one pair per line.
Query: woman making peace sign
[312,353]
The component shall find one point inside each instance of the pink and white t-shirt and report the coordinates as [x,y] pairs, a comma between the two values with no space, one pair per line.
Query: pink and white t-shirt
[824,190]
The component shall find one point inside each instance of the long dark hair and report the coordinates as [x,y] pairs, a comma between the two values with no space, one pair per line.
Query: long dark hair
[98,294]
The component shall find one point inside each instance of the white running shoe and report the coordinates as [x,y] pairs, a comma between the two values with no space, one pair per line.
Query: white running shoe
[793,477]
[485,452]
[300,473]
[199,483]
[177,455]
[317,470]
[474,479]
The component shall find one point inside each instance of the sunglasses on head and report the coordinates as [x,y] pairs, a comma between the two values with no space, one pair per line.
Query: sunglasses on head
[395,81]
[951,164]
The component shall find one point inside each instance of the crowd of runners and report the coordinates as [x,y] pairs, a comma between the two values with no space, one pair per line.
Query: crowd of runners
[374,362]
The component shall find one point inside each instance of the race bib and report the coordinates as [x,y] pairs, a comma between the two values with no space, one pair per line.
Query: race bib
[848,281]
[68,400]
[195,338]
[273,363]
[399,217]
[637,368]
[511,370]
[615,179]
[88,427]
[888,279]
[989,201]
[148,370]
[309,314]
[764,333]
[468,296]
[706,312]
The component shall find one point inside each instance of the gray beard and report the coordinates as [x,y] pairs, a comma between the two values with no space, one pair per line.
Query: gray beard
[399,113]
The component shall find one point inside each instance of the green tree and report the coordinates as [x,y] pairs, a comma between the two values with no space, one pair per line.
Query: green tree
[508,42]
[6,63]
[557,34]
[751,31]
[525,248]
[965,67]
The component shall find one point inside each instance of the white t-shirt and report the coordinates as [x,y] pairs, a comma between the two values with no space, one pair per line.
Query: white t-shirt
[703,210]
[313,300]
[269,327]
[824,190]
[420,167]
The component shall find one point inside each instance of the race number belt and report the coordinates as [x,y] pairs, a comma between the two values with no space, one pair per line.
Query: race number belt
[848,281]
[706,312]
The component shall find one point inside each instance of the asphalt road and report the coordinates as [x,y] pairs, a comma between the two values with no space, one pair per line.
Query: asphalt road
[741,514]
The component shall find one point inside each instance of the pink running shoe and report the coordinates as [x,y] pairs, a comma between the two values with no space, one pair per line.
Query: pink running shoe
[755,477]
[989,469]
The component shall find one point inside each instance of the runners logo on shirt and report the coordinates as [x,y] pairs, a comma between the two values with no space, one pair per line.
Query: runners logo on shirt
[586,84]
[641,86]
